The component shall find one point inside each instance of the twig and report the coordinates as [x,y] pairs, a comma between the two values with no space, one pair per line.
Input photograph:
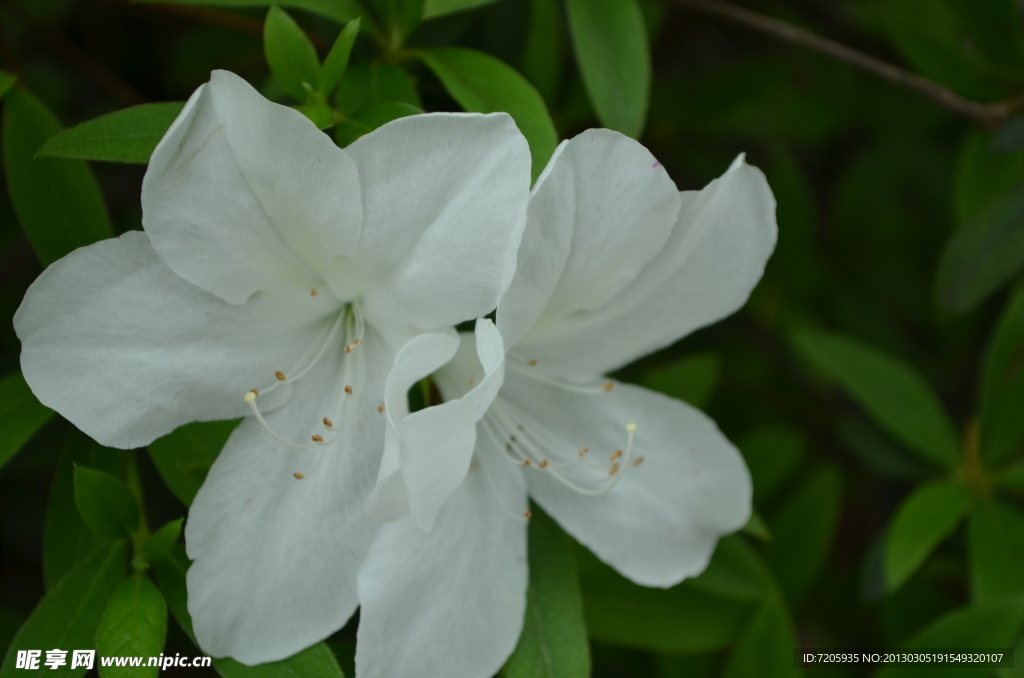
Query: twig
[988,115]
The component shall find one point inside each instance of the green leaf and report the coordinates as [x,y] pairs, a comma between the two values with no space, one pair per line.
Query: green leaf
[290,55]
[610,41]
[69,613]
[7,81]
[337,59]
[981,626]
[436,8]
[400,18]
[484,84]
[66,539]
[106,504]
[1010,137]
[766,646]
[772,455]
[983,255]
[756,527]
[736,572]
[160,543]
[129,135]
[544,52]
[880,453]
[890,390]
[21,415]
[692,379]
[316,660]
[57,201]
[184,457]
[319,113]
[802,531]
[1011,478]
[679,620]
[134,624]
[1002,385]
[366,85]
[982,175]
[554,641]
[996,540]
[339,10]
[370,119]
[922,522]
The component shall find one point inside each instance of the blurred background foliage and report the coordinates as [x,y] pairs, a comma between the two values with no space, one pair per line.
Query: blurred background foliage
[874,382]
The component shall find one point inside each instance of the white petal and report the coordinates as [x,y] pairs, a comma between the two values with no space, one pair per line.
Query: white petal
[620,206]
[128,351]
[449,602]
[431,449]
[706,271]
[244,195]
[661,522]
[445,200]
[276,557]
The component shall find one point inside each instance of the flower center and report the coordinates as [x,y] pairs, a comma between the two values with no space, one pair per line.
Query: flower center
[350,326]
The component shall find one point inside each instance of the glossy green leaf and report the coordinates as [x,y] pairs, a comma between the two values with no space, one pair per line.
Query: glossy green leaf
[484,84]
[129,135]
[316,660]
[766,646]
[554,640]
[543,55]
[339,10]
[57,201]
[370,119]
[803,528]
[736,572]
[899,399]
[981,626]
[66,539]
[134,624]
[996,539]
[1002,385]
[21,415]
[69,613]
[610,42]
[7,81]
[290,55]
[319,113]
[337,59]
[922,522]
[679,620]
[772,455]
[105,503]
[982,176]
[366,85]
[160,543]
[692,379]
[184,457]
[436,8]
[399,19]
[982,256]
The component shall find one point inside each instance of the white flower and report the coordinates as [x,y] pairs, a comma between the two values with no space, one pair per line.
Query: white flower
[615,263]
[273,260]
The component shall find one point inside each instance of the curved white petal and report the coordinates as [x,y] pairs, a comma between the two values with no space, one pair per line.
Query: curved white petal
[127,351]
[661,522]
[244,195]
[276,557]
[449,602]
[618,204]
[707,269]
[445,200]
[427,453]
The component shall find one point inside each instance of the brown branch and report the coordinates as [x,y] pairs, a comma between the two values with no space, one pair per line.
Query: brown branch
[988,115]
[77,58]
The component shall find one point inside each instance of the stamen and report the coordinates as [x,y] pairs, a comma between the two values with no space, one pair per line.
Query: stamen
[638,461]
[299,476]
[613,470]
[328,423]
[317,438]
[531,363]
[527,514]
[313,292]
[584,450]
[543,463]
[607,386]
[380,408]
[523,368]
[348,390]
[280,375]
[526,462]
[616,454]
[250,398]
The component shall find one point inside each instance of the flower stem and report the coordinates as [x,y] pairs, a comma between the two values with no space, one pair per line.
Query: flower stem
[130,472]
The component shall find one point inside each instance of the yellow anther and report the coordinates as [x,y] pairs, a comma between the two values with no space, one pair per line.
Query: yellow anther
[607,386]
[613,470]
[616,454]
[526,462]
[543,463]
[348,390]
[280,375]
[531,363]
[328,423]
[316,438]
[300,476]
[313,292]
[638,461]
[527,514]
[254,391]
[349,348]
[380,408]
[357,341]
[584,450]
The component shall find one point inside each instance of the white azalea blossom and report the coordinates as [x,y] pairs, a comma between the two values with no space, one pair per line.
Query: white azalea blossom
[276,279]
[615,263]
